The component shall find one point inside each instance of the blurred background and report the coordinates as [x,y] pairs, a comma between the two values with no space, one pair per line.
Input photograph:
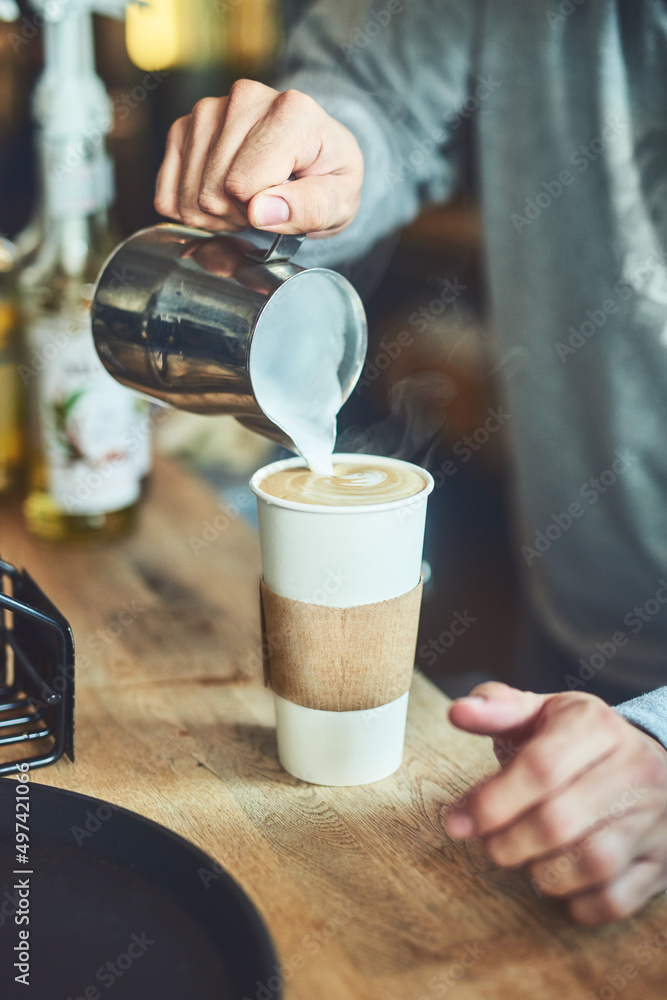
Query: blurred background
[429,379]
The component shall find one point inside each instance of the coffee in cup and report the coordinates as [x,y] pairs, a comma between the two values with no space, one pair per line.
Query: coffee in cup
[353,484]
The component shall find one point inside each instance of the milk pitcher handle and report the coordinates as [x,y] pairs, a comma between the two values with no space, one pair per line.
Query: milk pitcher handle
[283,248]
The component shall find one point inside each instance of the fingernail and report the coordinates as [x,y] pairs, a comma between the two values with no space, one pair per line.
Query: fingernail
[271,211]
[474,699]
[459,823]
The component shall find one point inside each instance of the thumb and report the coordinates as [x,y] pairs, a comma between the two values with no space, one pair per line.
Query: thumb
[317,203]
[493,708]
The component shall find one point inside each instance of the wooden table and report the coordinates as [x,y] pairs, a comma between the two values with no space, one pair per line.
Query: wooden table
[362,891]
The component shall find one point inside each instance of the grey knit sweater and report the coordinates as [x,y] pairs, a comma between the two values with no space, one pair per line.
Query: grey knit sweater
[565,105]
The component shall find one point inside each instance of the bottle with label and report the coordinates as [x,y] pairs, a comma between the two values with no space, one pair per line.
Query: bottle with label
[11,451]
[85,444]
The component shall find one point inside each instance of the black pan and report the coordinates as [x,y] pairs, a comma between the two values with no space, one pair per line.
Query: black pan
[123,908]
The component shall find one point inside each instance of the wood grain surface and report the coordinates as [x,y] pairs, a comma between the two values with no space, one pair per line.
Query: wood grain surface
[365,896]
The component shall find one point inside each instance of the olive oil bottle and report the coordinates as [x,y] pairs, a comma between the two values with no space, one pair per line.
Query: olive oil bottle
[84,475]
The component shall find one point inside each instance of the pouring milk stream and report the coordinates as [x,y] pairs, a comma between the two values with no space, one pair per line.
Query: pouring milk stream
[299,388]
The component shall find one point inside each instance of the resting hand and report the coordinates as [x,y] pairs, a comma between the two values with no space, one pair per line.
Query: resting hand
[581,798]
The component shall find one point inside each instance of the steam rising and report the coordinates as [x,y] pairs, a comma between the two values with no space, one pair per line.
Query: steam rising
[417,415]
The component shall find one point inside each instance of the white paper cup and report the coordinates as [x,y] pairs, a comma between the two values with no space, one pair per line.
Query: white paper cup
[341,557]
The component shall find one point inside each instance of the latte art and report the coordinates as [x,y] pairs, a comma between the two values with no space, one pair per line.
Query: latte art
[351,485]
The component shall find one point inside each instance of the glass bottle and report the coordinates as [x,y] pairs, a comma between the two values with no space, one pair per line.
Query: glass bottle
[11,450]
[84,479]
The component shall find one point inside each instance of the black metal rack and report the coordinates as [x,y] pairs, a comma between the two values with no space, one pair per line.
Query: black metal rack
[36,673]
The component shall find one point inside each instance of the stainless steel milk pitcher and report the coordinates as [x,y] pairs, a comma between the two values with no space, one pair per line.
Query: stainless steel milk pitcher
[181,314]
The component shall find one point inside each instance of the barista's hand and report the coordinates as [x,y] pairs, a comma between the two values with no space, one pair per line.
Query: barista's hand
[225,165]
[581,798]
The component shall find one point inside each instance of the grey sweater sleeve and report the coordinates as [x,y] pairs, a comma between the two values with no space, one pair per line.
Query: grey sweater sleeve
[649,712]
[398,76]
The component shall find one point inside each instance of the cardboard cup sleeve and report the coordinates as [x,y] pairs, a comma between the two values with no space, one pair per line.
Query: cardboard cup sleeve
[339,659]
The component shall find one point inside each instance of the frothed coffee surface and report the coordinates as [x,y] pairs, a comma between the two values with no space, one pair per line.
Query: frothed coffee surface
[351,485]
